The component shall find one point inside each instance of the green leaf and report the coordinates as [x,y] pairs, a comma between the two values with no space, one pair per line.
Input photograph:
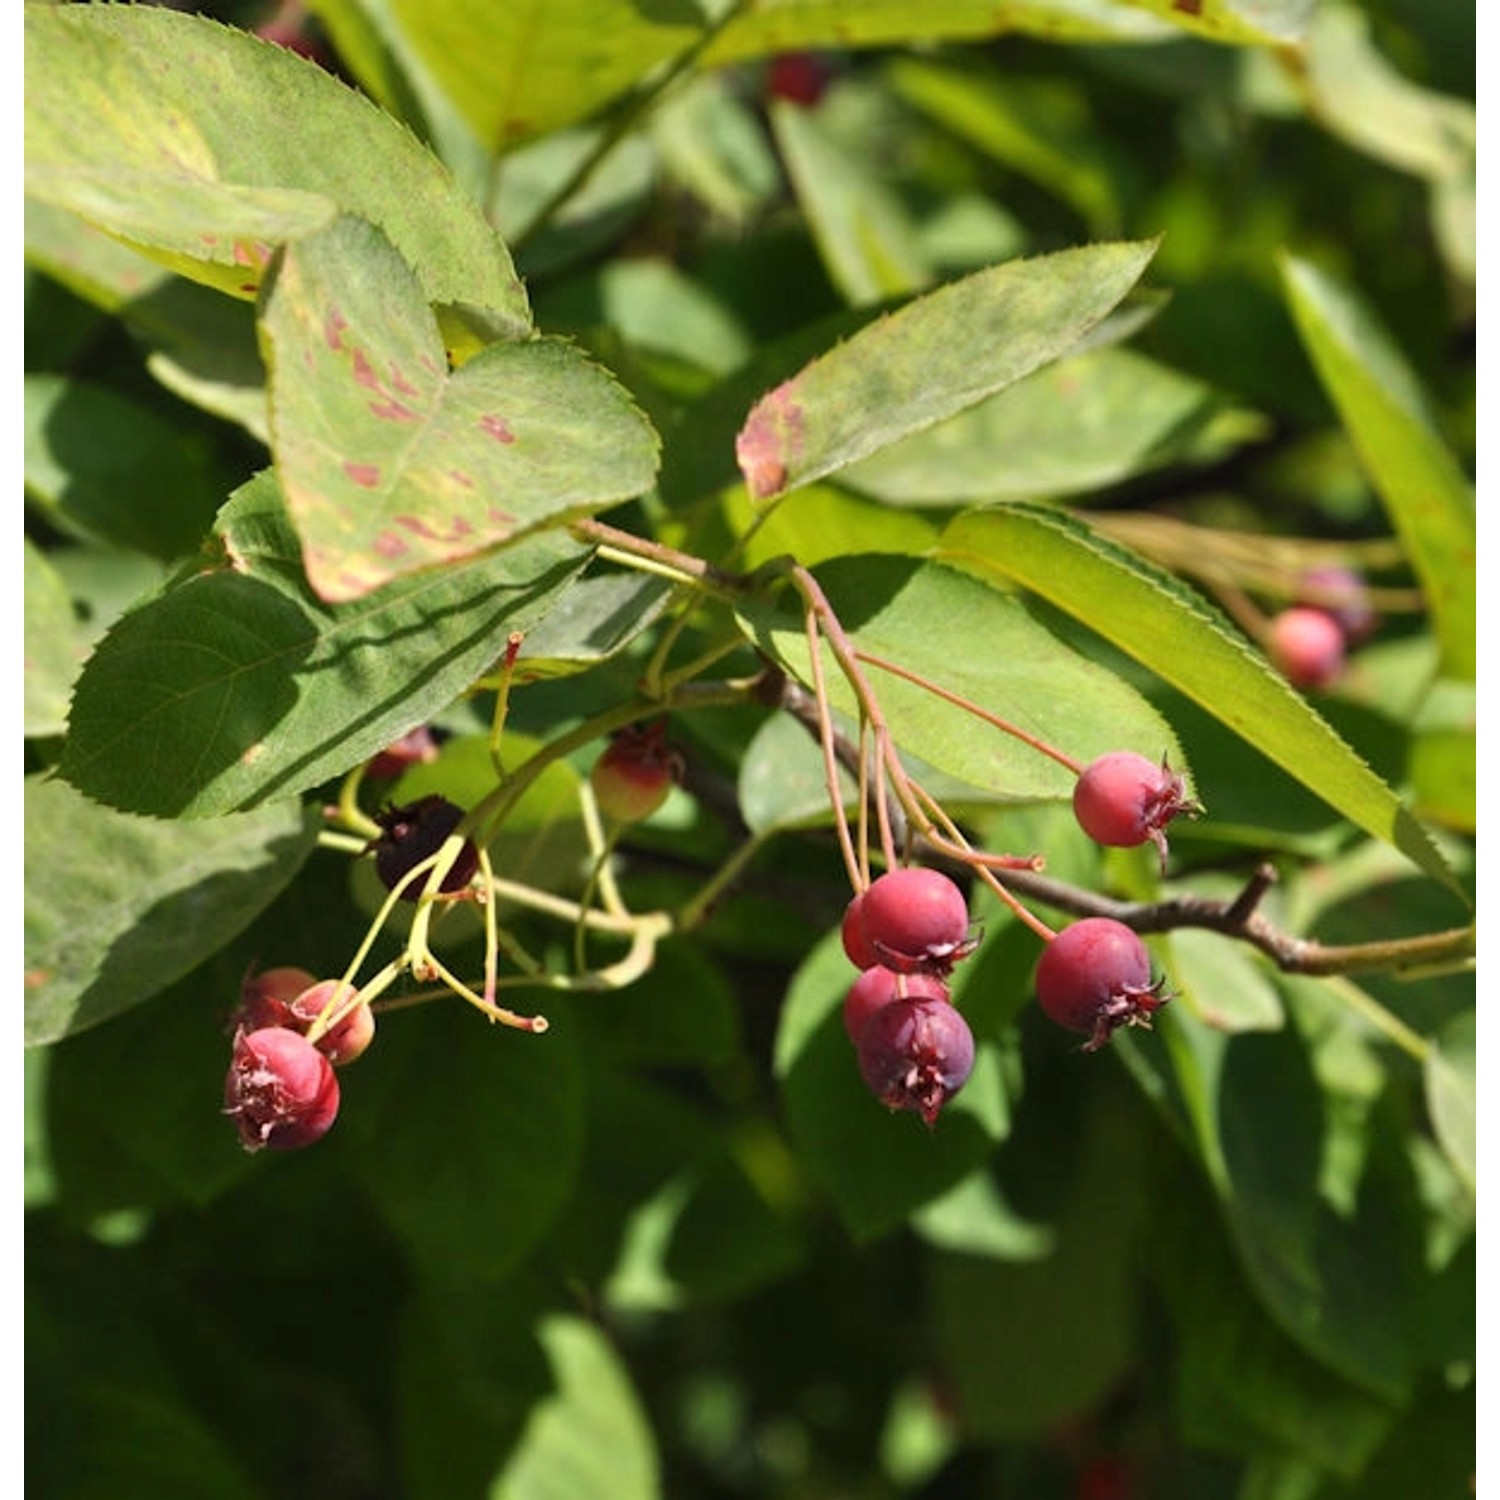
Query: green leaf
[205,147]
[391,462]
[592,1437]
[1154,618]
[595,619]
[1235,21]
[878,1167]
[235,685]
[52,645]
[112,469]
[868,244]
[940,353]
[117,907]
[468,1135]
[980,642]
[1088,421]
[1428,498]
[1452,1093]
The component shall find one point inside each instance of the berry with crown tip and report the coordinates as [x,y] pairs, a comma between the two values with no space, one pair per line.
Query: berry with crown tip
[266,997]
[1094,977]
[636,772]
[878,987]
[280,1091]
[1122,799]
[916,1054]
[915,918]
[1308,646]
[415,832]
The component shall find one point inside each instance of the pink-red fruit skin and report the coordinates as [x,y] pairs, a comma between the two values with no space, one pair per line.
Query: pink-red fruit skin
[1308,646]
[1122,799]
[916,1054]
[856,945]
[636,773]
[349,1036]
[1341,592]
[1094,977]
[280,1091]
[915,919]
[878,987]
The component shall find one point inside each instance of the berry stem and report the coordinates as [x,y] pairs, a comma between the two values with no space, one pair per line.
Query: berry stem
[852,862]
[994,720]
[502,698]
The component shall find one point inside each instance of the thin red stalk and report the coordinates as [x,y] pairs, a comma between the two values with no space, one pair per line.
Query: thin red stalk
[830,760]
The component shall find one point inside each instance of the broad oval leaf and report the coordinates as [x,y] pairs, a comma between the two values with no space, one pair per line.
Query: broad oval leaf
[52,640]
[1149,614]
[981,643]
[389,460]
[205,147]
[1428,498]
[937,355]
[118,907]
[234,684]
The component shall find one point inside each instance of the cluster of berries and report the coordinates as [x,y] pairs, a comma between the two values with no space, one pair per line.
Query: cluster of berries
[910,926]
[1310,641]
[290,1032]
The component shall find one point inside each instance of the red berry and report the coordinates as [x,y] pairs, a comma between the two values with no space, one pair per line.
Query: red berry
[798,77]
[349,1036]
[1094,976]
[916,1054]
[1308,646]
[280,1091]
[266,998]
[1341,593]
[636,773]
[856,944]
[417,747]
[878,987]
[414,833]
[915,918]
[1122,799]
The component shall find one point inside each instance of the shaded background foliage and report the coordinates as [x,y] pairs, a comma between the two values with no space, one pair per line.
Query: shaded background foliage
[672,1247]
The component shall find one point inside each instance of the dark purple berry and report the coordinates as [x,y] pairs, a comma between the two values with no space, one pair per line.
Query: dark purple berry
[1122,799]
[280,1091]
[1095,976]
[1308,646]
[915,919]
[878,987]
[415,832]
[916,1054]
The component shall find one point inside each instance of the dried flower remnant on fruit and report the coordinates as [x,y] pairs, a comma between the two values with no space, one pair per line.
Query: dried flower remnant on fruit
[878,987]
[280,1091]
[1122,799]
[413,833]
[636,772]
[1094,977]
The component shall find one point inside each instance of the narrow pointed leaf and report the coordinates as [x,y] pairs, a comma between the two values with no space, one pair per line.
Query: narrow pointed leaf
[391,462]
[939,354]
[235,684]
[205,147]
[1148,614]
[1236,21]
[1428,497]
[118,907]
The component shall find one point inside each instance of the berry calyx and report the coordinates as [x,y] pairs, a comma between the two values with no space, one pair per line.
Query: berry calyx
[916,1054]
[1094,977]
[1308,646]
[636,773]
[415,832]
[266,997]
[280,1091]
[915,919]
[1122,799]
[879,987]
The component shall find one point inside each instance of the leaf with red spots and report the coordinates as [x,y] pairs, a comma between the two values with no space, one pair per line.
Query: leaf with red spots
[204,147]
[392,462]
[938,355]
